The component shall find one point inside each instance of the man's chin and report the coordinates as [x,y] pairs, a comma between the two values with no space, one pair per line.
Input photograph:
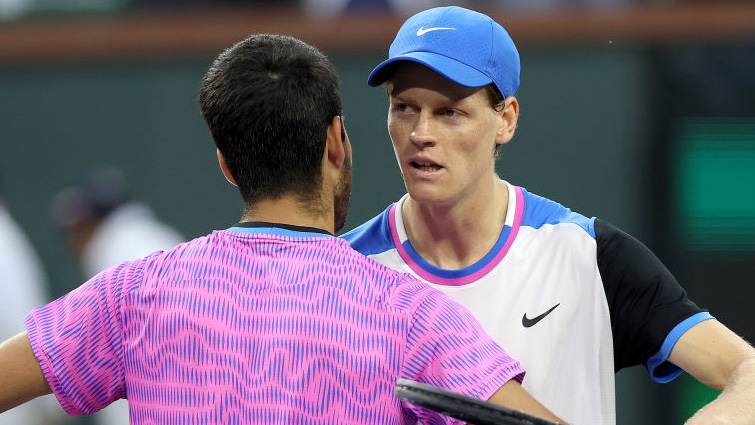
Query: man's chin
[342,209]
[340,222]
[342,197]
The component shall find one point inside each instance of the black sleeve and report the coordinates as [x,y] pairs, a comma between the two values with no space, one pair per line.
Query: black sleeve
[645,300]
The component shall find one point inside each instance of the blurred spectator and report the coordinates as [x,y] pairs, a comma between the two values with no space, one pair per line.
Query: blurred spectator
[184,4]
[14,9]
[24,287]
[327,8]
[11,9]
[559,5]
[102,228]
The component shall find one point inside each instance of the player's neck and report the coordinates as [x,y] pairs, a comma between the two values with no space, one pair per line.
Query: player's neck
[289,210]
[457,236]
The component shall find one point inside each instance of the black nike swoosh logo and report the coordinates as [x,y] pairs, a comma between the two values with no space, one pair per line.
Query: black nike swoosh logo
[526,322]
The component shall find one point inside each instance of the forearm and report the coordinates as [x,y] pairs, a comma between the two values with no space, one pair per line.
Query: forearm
[514,396]
[735,404]
[21,378]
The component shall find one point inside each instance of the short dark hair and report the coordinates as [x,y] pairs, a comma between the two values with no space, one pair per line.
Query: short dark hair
[496,100]
[268,101]
[494,96]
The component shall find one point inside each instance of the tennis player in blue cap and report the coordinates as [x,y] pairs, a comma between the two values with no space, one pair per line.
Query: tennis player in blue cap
[573,298]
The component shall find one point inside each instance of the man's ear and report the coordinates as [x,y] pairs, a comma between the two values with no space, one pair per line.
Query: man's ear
[509,117]
[225,170]
[335,145]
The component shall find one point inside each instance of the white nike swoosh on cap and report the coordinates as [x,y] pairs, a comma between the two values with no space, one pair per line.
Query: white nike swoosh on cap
[423,31]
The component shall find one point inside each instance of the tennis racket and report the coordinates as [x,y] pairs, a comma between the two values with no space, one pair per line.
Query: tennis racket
[462,407]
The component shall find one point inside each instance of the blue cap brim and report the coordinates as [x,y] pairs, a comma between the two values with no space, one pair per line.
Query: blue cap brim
[450,68]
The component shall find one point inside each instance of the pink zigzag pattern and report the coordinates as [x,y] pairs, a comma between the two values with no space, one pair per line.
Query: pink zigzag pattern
[238,328]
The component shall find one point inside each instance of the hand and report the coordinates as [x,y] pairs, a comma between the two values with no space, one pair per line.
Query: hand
[735,404]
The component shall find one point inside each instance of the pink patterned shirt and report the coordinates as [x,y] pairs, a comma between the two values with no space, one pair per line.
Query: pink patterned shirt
[272,324]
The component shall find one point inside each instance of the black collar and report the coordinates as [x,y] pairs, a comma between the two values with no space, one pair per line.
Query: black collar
[283,226]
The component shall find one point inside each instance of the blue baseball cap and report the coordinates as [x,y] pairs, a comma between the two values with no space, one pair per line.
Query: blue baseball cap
[465,46]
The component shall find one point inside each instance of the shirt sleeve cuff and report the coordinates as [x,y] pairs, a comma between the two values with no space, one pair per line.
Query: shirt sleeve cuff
[45,363]
[661,370]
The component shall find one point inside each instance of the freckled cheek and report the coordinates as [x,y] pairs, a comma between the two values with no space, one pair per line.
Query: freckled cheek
[398,141]
[398,134]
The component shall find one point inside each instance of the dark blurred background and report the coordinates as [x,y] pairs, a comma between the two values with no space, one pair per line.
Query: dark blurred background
[639,112]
